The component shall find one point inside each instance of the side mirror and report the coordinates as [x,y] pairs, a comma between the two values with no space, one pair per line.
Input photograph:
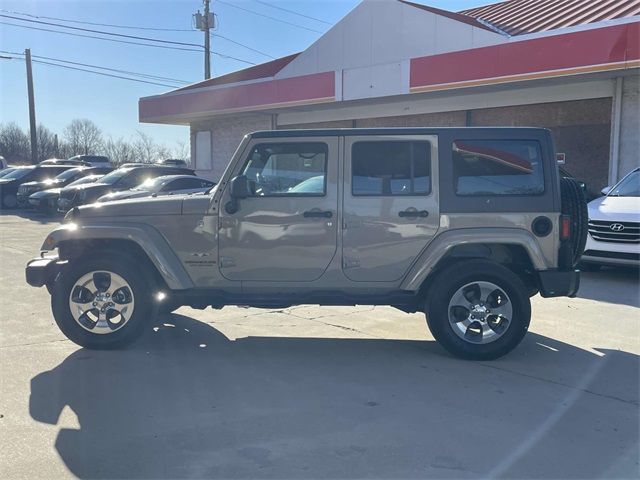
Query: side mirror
[605,190]
[239,188]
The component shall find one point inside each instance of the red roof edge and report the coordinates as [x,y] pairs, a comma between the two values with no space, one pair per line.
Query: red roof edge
[452,15]
[264,70]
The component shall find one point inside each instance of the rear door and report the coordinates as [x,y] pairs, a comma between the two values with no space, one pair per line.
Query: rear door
[390,204]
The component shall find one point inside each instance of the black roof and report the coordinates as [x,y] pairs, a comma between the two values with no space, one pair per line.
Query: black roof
[338,132]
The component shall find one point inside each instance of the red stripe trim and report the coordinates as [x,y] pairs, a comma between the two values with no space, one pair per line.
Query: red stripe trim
[296,90]
[606,45]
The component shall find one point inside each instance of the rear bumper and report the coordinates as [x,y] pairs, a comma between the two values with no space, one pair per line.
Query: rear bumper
[42,271]
[558,283]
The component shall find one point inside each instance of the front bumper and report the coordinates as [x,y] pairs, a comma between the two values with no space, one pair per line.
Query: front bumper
[558,283]
[43,270]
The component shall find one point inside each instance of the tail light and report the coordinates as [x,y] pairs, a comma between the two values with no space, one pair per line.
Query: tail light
[565,227]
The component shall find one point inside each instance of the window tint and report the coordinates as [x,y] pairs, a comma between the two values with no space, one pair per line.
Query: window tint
[497,167]
[283,168]
[182,184]
[391,168]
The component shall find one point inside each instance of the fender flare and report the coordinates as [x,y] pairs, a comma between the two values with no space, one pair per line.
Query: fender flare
[449,239]
[146,237]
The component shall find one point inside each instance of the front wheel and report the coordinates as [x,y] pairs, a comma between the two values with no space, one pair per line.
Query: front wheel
[478,310]
[102,303]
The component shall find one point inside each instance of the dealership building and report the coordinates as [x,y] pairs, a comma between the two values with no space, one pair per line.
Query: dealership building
[570,66]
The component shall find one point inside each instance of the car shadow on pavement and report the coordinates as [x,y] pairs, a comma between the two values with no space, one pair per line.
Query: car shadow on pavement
[185,401]
[619,285]
[32,215]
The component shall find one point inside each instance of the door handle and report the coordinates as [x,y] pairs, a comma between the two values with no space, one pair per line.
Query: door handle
[318,214]
[413,213]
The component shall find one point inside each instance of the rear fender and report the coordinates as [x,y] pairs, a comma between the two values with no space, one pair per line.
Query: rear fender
[449,239]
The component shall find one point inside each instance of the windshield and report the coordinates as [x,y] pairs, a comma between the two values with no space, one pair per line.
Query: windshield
[6,171]
[84,180]
[66,175]
[114,176]
[17,173]
[628,187]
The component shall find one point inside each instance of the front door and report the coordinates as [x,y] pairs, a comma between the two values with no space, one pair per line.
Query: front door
[287,229]
[390,204]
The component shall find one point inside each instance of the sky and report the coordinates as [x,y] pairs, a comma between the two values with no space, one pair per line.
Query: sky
[62,94]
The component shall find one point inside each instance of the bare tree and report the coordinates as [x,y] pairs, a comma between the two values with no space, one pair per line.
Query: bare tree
[119,151]
[47,143]
[14,143]
[83,137]
[145,148]
[182,151]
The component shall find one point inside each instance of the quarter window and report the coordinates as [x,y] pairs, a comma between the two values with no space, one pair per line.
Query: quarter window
[497,167]
[391,168]
[288,169]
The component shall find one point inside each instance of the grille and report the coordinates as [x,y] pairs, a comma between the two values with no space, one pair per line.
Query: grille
[615,232]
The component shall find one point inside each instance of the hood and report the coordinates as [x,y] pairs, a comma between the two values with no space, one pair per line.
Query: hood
[623,209]
[131,208]
[52,192]
[109,197]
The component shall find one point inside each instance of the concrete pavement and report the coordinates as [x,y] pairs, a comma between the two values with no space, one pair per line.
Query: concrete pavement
[311,392]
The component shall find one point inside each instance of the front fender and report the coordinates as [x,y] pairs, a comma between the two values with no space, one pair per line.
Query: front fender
[444,242]
[145,236]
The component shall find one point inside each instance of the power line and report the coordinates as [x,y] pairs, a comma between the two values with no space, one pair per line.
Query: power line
[136,28]
[268,16]
[102,32]
[131,27]
[242,45]
[97,73]
[127,72]
[292,12]
[101,38]
[127,42]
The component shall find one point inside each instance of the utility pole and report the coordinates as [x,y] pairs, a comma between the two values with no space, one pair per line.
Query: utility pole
[32,109]
[207,42]
[205,23]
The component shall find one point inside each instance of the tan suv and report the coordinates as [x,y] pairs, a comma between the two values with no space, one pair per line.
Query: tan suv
[464,224]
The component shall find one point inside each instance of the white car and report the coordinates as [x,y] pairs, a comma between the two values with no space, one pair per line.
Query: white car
[614,225]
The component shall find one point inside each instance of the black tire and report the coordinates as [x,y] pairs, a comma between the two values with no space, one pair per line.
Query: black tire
[9,201]
[574,204]
[449,281]
[144,310]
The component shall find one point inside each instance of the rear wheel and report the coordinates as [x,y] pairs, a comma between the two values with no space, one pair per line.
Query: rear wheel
[478,310]
[102,303]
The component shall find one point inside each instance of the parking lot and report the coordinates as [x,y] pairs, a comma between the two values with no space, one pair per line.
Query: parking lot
[310,392]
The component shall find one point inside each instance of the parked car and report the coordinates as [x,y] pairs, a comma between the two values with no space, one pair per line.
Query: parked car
[3,163]
[176,162]
[116,181]
[462,224]
[47,200]
[7,171]
[63,161]
[165,185]
[61,180]
[614,225]
[10,183]
[93,160]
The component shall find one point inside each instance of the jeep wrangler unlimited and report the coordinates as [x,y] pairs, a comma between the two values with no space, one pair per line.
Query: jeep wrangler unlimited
[465,224]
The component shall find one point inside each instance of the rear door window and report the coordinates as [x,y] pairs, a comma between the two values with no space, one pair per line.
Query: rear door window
[391,168]
[497,167]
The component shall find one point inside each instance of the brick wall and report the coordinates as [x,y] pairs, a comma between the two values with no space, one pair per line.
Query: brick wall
[226,134]
[581,129]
